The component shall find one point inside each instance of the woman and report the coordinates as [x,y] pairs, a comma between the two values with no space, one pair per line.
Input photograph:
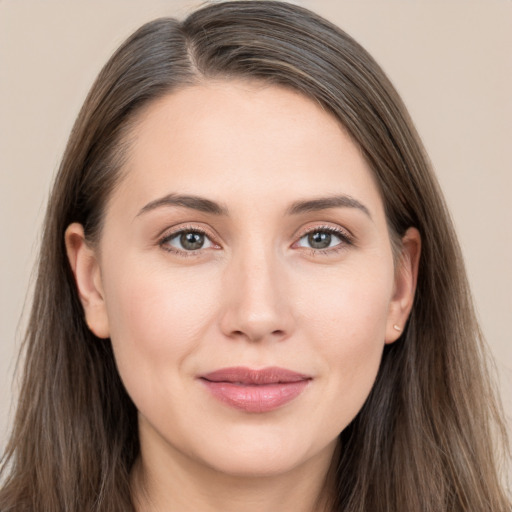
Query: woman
[250,295]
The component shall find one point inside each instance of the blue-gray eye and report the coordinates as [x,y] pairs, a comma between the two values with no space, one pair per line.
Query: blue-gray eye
[321,239]
[189,241]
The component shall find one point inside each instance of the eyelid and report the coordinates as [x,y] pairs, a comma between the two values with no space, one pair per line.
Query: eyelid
[345,236]
[170,233]
[337,230]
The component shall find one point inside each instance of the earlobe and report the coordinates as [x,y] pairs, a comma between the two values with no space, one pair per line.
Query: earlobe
[86,269]
[406,277]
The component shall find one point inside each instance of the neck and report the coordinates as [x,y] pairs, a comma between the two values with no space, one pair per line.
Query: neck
[183,485]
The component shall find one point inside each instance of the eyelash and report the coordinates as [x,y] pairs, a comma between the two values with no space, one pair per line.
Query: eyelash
[346,240]
[187,229]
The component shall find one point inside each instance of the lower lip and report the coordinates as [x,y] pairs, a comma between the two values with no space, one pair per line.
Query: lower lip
[256,398]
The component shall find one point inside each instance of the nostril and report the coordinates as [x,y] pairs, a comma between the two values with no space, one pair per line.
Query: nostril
[258,336]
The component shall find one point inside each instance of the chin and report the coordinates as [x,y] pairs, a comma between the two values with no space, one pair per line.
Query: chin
[243,465]
[268,457]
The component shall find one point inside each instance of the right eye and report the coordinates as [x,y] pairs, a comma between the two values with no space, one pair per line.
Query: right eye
[187,240]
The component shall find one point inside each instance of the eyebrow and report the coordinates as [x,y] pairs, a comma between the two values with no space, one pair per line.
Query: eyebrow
[325,203]
[200,204]
[204,205]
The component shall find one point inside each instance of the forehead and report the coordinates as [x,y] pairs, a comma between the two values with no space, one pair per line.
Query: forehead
[242,141]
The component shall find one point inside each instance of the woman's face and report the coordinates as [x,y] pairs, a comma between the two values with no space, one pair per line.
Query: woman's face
[245,277]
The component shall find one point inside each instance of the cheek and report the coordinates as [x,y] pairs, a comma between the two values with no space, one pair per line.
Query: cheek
[161,320]
[346,320]
[349,303]
[156,318]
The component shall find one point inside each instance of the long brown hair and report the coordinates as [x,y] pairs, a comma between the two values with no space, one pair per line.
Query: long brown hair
[427,438]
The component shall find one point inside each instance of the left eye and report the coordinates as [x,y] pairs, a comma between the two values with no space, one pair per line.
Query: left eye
[188,241]
[320,239]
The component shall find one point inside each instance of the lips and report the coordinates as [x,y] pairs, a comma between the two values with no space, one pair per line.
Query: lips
[255,390]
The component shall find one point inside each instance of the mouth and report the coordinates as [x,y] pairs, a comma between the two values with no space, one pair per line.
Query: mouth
[255,391]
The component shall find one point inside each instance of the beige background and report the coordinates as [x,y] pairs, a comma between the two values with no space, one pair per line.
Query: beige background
[450,60]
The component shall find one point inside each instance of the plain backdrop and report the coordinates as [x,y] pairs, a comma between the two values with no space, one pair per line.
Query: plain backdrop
[450,60]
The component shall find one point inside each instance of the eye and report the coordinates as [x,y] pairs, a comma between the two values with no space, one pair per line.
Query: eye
[186,241]
[324,238]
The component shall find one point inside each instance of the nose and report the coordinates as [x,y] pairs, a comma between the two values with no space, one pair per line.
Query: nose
[256,298]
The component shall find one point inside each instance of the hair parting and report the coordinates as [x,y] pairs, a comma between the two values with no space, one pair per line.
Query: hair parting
[428,437]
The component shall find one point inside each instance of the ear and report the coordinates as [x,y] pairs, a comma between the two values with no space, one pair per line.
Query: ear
[406,277]
[86,269]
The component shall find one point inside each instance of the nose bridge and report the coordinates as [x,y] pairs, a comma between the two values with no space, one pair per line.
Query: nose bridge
[256,305]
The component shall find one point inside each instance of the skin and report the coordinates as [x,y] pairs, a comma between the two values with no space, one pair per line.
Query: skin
[256,294]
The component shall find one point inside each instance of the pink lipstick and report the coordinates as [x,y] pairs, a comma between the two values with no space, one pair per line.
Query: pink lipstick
[255,390]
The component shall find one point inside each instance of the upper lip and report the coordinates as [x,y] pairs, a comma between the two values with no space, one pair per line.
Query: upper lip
[248,376]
